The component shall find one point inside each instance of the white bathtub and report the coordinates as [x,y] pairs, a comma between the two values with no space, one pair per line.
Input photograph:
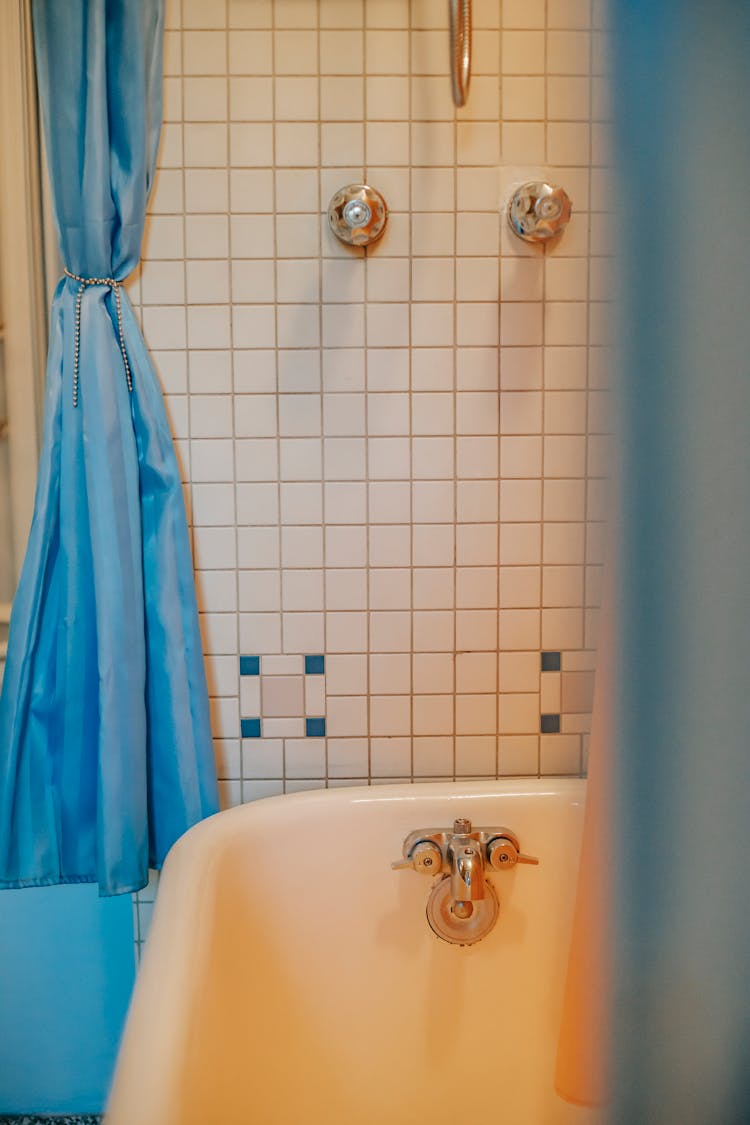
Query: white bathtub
[290,976]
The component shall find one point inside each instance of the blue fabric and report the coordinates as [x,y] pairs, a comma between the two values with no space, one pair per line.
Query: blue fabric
[105,744]
[681,1009]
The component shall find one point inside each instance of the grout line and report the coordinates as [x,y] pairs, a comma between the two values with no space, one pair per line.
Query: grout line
[324,508]
[230,282]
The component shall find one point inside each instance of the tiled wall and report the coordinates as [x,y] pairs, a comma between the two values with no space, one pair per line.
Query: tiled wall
[395,459]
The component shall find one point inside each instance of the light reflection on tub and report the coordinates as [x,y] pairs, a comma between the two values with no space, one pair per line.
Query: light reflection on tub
[290,976]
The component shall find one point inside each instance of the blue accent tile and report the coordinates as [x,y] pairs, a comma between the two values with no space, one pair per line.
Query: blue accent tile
[315,728]
[550,724]
[315,665]
[551,661]
[250,728]
[249,665]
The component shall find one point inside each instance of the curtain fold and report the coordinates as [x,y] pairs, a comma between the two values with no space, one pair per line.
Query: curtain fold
[681,924]
[105,744]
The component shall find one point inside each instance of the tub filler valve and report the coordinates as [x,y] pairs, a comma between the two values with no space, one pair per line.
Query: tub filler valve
[462,907]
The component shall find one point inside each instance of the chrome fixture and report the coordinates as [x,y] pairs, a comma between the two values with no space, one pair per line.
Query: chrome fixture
[460,21]
[357,214]
[462,907]
[539,211]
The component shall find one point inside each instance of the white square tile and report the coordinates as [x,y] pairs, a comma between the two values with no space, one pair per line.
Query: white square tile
[388,458]
[390,631]
[258,547]
[214,548]
[302,589]
[342,99]
[433,672]
[345,590]
[347,716]
[346,675]
[255,415]
[434,588]
[390,673]
[250,99]
[432,324]
[433,501]
[390,715]
[303,632]
[295,99]
[520,587]
[390,757]
[433,630]
[432,545]
[433,458]
[345,458]
[477,233]
[343,326]
[478,142]
[564,456]
[301,503]
[476,545]
[477,501]
[341,143]
[256,459]
[476,755]
[300,458]
[257,504]
[205,145]
[433,757]
[296,144]
[477,457]
[345,503]
[208,326]
[346,546]
[254,371]
[251,144]
[390,546]
[434,715]
[206,236]
[301,546]
[432,369]
[259,590]
[390,588]
[388,414]
[347,757]
[477,413]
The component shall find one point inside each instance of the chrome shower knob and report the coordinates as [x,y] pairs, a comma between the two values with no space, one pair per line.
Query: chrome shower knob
[357,214]
[539,211]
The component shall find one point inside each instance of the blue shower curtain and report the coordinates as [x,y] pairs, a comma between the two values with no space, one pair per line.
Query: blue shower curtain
[681,1003]
[105,745]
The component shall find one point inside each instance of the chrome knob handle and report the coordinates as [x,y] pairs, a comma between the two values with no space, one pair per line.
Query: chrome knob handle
[539,211]
[357,214]
[425,857]
[502,854]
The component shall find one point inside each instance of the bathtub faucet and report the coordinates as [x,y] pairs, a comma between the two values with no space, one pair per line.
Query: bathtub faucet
[466,856]
[462,906]
[462,853]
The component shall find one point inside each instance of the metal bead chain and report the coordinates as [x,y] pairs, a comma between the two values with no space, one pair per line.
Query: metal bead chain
[115,285]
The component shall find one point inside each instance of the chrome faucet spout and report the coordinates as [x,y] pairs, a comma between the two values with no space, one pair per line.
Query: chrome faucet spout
[467,866]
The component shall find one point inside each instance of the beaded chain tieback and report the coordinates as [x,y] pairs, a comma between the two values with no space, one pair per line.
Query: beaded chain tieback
[115,285]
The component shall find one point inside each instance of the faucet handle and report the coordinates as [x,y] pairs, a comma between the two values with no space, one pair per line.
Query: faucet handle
[503,853]
[424,857]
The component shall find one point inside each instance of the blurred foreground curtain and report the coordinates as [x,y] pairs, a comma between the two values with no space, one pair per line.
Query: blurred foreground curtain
[681,1030]
[105,744]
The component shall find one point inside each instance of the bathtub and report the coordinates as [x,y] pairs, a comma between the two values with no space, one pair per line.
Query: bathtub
[290,976]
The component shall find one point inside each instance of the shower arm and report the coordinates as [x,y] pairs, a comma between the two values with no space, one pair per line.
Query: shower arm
[460,24]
